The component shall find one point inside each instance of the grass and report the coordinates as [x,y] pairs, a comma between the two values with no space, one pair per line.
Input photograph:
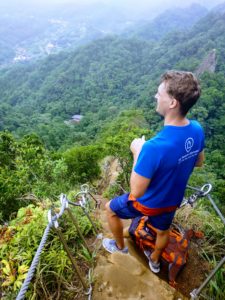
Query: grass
[211,247]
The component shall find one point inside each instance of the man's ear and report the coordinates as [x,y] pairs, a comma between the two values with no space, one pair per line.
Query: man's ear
[174,103]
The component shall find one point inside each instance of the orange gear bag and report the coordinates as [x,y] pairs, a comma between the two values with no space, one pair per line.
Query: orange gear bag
[176,252]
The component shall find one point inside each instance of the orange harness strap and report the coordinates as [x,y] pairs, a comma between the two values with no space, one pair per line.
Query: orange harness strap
[150,211]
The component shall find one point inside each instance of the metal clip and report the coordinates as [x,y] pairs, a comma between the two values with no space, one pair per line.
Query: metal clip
[202,192]
[84,188]
[83,202]
[52,219]
[205,189]
[192,199]
[193,294]
[63,200]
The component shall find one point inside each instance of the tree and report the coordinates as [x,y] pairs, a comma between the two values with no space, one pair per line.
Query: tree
[82,163]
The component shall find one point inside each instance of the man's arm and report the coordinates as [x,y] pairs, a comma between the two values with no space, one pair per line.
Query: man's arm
[138,183]
[200,160]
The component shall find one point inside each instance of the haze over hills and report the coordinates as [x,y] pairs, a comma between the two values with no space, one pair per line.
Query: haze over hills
[32,30]
[41,33]
[175,19]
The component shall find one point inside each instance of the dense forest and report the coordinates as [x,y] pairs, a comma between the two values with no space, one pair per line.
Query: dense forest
[100,80]
[111,83]
[108,76]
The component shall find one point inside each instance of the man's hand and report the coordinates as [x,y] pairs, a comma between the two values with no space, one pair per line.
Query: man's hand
[136,146]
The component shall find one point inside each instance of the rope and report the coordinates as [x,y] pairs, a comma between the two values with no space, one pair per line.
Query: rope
[34,264]
[89,292]
[53,222]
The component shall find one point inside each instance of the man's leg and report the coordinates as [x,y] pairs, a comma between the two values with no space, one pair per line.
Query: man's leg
[162,240]
[161,223]
[116,226]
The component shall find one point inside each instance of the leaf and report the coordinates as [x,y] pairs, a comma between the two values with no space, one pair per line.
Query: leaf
[10,279]
[23,269]
[7,269]
[21,277]
[17,284]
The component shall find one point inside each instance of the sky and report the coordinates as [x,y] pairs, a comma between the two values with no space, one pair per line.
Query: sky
[137,3]
[140,3]
[133,7]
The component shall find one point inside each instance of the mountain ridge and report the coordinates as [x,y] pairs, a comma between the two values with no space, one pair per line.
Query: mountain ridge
[108,75]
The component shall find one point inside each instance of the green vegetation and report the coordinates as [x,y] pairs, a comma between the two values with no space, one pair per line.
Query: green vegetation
[28,169]
[204,219]
[111,82]
[104,78]
[82,163]
[55,277]
[117,136]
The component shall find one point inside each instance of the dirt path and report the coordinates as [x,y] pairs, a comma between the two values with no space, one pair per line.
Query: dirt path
[120,276]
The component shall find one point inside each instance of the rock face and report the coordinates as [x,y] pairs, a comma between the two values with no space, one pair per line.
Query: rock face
[208,64]
[110,170]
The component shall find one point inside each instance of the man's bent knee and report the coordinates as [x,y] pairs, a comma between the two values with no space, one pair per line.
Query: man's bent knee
[108,209]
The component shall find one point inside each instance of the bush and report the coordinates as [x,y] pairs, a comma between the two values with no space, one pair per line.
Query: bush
[19,241]
[82,163]
[26,167]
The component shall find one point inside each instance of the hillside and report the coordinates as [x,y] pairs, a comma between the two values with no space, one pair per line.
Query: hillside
[105,77]
[113,274]
[176,19]
[111,75]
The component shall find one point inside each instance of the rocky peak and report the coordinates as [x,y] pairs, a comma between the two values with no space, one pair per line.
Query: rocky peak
[208,64]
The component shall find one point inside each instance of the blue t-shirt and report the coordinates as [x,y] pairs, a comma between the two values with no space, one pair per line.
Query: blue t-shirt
[168,160]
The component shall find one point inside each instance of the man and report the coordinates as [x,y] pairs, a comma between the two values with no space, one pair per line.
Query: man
[162,166]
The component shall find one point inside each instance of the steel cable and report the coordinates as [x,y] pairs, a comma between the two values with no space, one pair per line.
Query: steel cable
[34,264]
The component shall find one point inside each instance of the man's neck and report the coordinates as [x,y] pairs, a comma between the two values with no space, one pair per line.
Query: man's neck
[176,120]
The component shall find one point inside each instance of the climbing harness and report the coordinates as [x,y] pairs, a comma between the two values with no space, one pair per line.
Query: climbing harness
[53,224]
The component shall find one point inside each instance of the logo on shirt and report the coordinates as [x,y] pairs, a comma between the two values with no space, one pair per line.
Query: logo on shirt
[189,143]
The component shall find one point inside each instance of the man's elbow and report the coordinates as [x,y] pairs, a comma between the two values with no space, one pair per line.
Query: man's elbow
[200,160]
[136,194]
[199,164]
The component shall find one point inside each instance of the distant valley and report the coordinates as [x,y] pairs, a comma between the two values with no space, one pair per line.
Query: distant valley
[26,36]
